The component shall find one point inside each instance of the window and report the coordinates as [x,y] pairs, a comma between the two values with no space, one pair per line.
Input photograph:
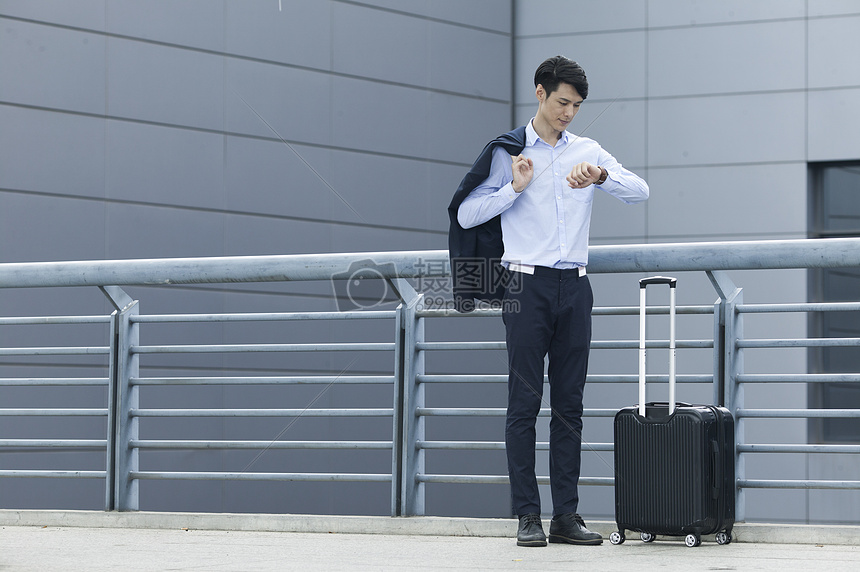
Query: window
[835,212]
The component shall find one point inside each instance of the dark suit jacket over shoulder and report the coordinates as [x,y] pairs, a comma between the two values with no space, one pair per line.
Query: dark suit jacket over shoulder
[475,252]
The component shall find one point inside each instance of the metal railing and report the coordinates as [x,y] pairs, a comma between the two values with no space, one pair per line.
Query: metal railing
[407,409]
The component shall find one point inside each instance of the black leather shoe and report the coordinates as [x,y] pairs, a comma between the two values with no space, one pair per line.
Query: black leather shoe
[530,531]
[570,528]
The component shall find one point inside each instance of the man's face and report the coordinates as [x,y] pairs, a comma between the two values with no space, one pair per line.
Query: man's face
[560,107]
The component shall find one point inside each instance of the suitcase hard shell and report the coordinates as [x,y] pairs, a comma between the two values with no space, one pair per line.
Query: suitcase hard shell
[674,463]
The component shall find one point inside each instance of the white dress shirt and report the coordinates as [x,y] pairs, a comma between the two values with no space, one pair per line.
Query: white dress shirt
[547,223]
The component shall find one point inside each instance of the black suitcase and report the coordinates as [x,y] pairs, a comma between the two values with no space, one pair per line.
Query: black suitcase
[674,462]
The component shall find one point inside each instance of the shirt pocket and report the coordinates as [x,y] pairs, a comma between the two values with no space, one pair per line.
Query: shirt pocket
[585,195]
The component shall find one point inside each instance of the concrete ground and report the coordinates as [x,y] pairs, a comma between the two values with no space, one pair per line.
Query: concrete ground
[94,541]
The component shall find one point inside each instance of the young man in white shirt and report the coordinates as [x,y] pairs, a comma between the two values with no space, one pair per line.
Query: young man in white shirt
[543,196]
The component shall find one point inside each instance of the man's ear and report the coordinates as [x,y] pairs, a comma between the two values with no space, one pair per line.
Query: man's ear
[540,93]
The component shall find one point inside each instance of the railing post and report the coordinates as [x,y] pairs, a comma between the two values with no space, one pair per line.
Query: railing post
[728,366]
[110,449]
[410,366]
[122,427]
[404,450]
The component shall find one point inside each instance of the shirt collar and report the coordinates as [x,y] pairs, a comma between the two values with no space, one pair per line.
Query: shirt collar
[532,137]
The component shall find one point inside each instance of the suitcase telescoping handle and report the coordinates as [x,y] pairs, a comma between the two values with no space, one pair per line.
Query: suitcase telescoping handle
[643,284]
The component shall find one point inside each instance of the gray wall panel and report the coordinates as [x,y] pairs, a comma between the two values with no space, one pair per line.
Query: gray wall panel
[562,17]
[490,14]
[299,34]
[377,31]
[52,152]
[271,178]
[832,7]
[274,101]
[714,205]
[759,57]
[826,37]
[455,53]
[54,67]
[133,231]
[383,190]
[78,13]
[164,165]
[739,129]
[163,84]
[53,228]
[248,236]
[614,221]
[616,126]
[833,122]
[685,13]
[457,128]
[393,121]
[198,23]
[615,63]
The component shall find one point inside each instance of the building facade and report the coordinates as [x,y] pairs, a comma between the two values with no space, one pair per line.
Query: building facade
[197,128]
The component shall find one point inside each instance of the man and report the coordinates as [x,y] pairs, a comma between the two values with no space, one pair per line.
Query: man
[542,196]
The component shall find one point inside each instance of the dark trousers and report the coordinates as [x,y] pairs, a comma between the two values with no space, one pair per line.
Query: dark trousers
[548,313]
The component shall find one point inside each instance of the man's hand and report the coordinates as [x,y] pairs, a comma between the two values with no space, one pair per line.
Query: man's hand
[523,169]
[583,175]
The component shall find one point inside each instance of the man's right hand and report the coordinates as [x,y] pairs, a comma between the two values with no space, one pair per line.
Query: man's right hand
[522,169]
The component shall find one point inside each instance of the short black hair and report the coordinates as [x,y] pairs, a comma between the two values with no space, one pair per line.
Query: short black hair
[559,69]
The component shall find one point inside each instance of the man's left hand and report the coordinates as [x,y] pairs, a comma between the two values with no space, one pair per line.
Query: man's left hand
[583,175]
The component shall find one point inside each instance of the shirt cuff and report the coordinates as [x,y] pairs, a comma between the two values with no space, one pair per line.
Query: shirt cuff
[508,192]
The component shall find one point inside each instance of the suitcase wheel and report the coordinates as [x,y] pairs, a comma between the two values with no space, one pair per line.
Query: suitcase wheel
[647,537]
[617,537]
[692,540]
[723,537]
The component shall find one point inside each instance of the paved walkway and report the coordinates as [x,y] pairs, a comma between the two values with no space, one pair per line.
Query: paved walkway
[118,545]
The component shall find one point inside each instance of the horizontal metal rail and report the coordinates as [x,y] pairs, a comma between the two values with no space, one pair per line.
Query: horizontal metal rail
[797,448]
[797,484]
[799,378]
[53,381]
[48,474]
[51,412]
[498,412]
[503,479]
[797,413]
[668,257]
[245,476]
[261,412]
[262,317]
[268,380]
[54,351]
[54,443]
[800,343]
[53,320]
[800,307]
[596,311]
[499,446]
[251,348]
[595,345]
[592,378]
[177,444]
